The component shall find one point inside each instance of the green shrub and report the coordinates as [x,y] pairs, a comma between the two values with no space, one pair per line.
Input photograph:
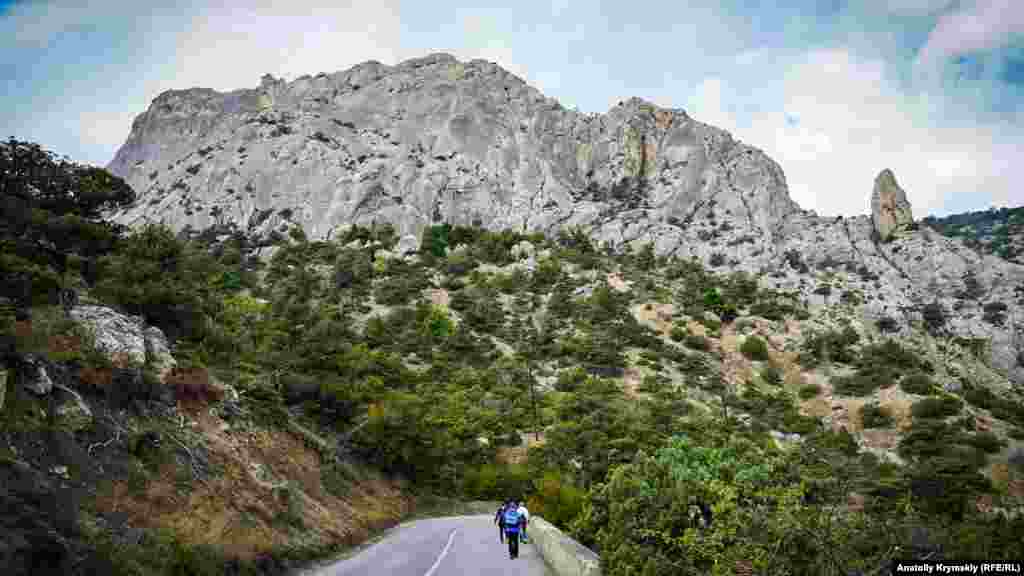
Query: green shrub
[697,342]
[934,316]
[891,354]
[795,423]
[986,442]
[678,334]
[772,375]
[936,407]
[556,499]
[865,381]
[809,391]
[775,307]
[887,324]
[830,346]
[917,383]
[875,416]
[754,348]
[570,380]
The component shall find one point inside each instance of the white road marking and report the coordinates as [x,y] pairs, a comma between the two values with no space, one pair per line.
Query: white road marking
[451,538]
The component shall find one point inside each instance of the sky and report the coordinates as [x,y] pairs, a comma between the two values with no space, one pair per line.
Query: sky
[833,90]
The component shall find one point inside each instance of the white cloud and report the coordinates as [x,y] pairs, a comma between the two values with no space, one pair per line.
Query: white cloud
[853,122]
[980,25]
[231,47]
[911,7]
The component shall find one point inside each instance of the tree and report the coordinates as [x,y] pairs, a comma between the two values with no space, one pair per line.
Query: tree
[50,220]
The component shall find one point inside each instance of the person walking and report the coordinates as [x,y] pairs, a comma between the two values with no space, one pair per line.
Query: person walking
[524,519]
[512,529]
[499,519]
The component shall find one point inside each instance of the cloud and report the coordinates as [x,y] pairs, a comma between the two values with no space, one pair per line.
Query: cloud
[231,47]
[980,26]
[38,23]
[853,122]
[910,7]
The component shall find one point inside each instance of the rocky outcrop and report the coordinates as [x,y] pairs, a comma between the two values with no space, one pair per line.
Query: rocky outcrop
[435,139]
[35,377]
[120,337]
[126,339]
[890,209]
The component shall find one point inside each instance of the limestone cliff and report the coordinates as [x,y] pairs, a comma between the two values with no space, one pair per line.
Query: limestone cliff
[437,140]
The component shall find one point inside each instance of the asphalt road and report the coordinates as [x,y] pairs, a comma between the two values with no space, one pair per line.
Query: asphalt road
[457,546]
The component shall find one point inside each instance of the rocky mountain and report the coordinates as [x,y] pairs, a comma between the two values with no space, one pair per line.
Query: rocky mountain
[436,140]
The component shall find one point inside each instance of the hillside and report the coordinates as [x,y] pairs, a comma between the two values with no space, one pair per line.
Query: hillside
[434,140]
[999,232]
[429,279]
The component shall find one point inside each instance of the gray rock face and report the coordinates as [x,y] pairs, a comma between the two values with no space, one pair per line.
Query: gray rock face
[120,337]
[436,140]
[432,140]
[890,209]
[36,379]
[126,338]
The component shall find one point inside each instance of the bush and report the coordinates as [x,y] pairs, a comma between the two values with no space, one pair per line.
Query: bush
[917,383]
[772,375]
[995,313]
[570,380]
[697,342]
[934,316]
[892,355]
[865,381]
[887,324]
[678,334]
[986,442]
[875,416]
[830,346]
[809,391]
[936,407]
[755,348]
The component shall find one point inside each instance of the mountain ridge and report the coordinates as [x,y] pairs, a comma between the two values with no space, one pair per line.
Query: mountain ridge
[434,140]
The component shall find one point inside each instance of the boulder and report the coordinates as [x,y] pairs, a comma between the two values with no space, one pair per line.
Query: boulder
[120,337]
[35,377]
[890,209]
[522,250]
[407,245]
[158,351]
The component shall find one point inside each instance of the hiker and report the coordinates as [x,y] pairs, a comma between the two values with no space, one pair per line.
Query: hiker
[524,519]
[512,529]
[499,519]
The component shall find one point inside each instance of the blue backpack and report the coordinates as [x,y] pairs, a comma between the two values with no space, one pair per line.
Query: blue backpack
[512,520]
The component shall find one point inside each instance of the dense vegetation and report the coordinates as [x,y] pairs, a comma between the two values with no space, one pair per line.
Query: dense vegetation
[994,231]
[679,476]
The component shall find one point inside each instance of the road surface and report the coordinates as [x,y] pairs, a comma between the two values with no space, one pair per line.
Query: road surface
[456,546]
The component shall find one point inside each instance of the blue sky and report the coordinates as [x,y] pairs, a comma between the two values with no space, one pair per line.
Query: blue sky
[834,90]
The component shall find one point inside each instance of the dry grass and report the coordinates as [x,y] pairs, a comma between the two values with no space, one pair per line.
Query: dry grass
[439,297]
[193,387]
[696,328]
[657,317]
[631,381]
[242,513]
